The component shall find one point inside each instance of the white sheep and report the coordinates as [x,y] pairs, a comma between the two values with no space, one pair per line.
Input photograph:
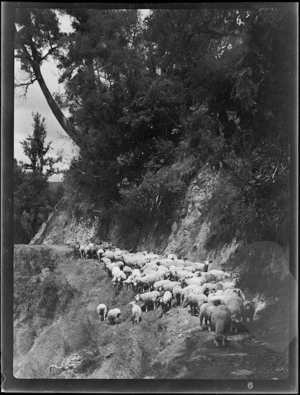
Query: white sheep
[193,280]
[149,299]
[114,316]
[215,275]
[187,290]
[226,284]
[102,312]
[236,291]
[182,274]
[149,266]
[136,312]
[163,269]
[128,282]
[99,253]
[168,286]
[165,301]
[177,293]
[205,314]
[106,262]
[194,301]
[159,283]
[108,254]
[235,306]
[218,295]
[148,281]
[119,277]
[113,268]
[221,320]
[166,262]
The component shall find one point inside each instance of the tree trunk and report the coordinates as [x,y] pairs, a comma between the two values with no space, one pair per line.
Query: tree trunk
[63,121]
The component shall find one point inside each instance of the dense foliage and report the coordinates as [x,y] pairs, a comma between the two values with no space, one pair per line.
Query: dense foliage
[153,101]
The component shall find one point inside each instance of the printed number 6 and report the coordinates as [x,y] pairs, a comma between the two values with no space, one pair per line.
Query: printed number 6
[250,385]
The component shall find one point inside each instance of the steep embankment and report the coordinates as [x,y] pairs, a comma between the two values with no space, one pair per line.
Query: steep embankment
[187,235]
[170,346]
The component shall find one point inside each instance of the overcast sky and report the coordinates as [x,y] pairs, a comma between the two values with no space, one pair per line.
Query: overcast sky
[36,102]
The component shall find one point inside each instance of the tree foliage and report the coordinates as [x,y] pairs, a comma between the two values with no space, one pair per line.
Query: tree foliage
[33,198]
[36,149]
[155,100]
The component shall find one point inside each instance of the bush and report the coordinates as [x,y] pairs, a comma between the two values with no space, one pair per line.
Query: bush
[245,212]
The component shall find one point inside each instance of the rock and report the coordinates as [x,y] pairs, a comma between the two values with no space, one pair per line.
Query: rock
[180,335]
[169,341]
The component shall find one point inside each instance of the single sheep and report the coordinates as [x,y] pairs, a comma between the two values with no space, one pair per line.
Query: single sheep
[114,316]
[194,301]
[159,283]
[187,290]
[205,314]
[177,293]
[102,312]
[194,280]
[221,320]
[168,286]
[99,253]
[148,298]
[165,301]
[136,312]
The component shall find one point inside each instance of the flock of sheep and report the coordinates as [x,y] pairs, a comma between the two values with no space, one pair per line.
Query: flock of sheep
[168,281]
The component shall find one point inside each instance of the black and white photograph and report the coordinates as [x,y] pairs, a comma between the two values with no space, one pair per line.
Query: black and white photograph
[149,197]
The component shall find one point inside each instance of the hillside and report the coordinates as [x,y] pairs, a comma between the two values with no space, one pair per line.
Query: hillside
[172,346]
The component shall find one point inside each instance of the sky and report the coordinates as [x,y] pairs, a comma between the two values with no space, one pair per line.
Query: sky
[36,102]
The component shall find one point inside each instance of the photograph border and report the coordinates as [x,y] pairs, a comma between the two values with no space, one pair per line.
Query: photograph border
[11,384]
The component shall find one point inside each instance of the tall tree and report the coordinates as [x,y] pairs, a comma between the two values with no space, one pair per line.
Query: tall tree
[37,39]
[33,199]
[36,149]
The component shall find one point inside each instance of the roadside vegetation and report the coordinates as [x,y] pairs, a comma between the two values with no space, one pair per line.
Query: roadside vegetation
[149,112]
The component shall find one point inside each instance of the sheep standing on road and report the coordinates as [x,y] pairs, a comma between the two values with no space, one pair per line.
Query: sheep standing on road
[221,320]
[102,312]
[136,312]
[177,292]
